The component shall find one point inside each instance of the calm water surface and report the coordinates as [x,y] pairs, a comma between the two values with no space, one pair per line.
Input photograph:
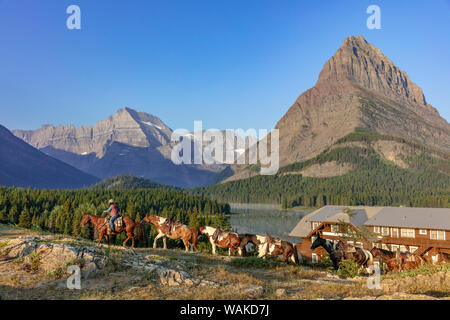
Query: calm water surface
[265,219]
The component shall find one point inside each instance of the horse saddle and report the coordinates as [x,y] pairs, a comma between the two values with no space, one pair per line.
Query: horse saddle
[350,249]
[118,223]
[218,234]
[172,226]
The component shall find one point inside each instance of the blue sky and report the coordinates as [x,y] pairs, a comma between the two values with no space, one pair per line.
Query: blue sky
[230,63]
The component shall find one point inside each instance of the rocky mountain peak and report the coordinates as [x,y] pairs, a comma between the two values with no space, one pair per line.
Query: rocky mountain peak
[361,63]
[126,126]
[359,87]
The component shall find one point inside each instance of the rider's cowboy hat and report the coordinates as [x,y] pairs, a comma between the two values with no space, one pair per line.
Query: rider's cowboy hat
[110,201]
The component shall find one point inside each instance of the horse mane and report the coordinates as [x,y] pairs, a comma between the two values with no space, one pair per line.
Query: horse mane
[386,252]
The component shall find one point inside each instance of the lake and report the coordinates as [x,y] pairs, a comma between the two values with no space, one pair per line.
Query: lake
[265,219]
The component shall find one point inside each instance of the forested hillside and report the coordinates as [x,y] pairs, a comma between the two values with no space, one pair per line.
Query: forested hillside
[126,181]
[60,211]
[373,180]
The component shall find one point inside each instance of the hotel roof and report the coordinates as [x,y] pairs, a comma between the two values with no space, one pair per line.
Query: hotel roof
[425,218]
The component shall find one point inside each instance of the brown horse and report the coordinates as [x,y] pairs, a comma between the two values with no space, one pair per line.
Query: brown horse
[178,231]
[276,247]
[397,261]
[223,239]
[102,227]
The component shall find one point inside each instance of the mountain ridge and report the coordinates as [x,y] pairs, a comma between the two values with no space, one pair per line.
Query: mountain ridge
[127,142]
[21,165]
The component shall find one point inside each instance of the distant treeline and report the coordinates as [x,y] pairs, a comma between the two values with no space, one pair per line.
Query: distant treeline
[60,211]
[126,181]
[373,182]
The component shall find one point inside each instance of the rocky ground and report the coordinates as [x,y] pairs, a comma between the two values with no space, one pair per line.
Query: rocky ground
[34,266]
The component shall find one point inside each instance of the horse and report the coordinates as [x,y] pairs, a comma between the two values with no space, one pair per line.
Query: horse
[398,261]
[268,245]
[176,230]
[102,226]
[340,252]
[223,239]
[256,240]
[276,247]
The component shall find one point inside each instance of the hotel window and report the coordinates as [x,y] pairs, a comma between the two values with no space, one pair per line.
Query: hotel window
[315,225]
[437,235]
[394,232]
[384,246]
[314,258]
[335,228]
[408,233]
[413,249]
[423,232]
[350,243]
[403,248]
[394,248]
[385,231]
[359,244]
[376,229]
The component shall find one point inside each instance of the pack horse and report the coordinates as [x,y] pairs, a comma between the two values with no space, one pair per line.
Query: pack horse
[172,230]
[223,239]
[267,245]
[338,251]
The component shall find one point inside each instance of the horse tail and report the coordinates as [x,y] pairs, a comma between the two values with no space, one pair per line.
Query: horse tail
[369,258]
[295,253]
[194,232]
[140,232]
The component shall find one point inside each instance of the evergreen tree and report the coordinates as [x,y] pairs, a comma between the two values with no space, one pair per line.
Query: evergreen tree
[24,219]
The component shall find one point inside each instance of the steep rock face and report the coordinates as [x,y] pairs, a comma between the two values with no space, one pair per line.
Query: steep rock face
[359,88]
[21,165]
[128,142]
[360,62]
[125,126]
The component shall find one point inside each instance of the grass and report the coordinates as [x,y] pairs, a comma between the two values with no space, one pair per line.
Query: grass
[4,244]
[255,262]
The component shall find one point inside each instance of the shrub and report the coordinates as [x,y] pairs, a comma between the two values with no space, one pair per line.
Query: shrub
[35,261]
[57,273]
[348,269]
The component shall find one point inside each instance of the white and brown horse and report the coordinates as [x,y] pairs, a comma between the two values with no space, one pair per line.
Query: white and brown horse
[259,241]
[176,230]
[223,239]
[271,246]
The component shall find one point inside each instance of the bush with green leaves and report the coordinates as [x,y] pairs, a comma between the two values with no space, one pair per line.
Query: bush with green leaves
[348,269]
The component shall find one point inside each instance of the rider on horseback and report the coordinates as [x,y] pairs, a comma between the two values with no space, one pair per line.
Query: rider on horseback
[114,213]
